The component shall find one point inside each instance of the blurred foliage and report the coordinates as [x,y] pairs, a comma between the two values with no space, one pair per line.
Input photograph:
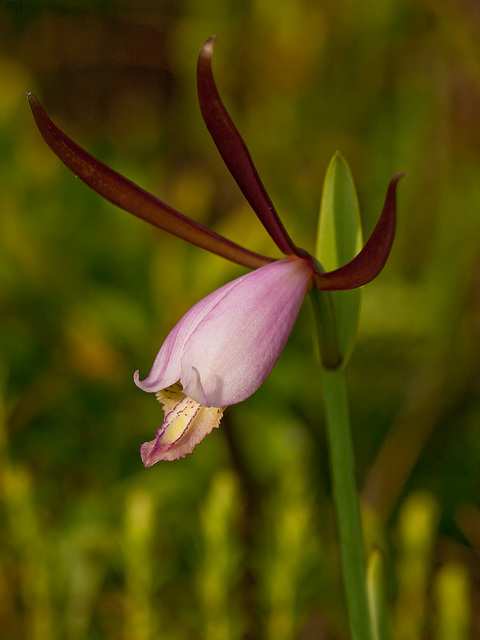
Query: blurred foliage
[240,535]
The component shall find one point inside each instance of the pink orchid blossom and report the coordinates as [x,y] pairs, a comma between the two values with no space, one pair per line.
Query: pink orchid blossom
[224,348]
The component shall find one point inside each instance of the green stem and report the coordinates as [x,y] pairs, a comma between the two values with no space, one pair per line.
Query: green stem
[325,320]
[346,502]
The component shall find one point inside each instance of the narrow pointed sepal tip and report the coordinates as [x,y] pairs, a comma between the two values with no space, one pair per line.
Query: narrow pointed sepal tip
[366,266]
[209,46]
[34,104]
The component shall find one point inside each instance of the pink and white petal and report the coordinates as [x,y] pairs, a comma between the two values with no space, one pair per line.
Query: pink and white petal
[236,344]
[166,369]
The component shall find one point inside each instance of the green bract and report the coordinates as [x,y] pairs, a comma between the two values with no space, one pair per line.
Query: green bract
[339,239]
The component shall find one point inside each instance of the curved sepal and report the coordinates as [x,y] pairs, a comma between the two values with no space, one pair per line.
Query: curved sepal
[235,154]
[372,258]
[132,198]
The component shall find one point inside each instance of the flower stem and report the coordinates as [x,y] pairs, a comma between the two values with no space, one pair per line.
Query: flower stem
[346,502]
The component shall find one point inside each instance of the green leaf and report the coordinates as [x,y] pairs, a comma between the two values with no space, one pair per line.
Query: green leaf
[339,239]
[379,613]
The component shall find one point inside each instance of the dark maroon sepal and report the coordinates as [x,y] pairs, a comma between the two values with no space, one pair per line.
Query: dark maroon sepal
[372,258]
[234,152]
[132,198]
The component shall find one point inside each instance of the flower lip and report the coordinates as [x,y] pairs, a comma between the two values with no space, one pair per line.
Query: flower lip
[185,425]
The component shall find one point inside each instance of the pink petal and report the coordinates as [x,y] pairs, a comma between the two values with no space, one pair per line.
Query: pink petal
[223,349]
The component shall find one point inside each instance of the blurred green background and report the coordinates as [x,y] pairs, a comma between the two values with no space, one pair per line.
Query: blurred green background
[237,540]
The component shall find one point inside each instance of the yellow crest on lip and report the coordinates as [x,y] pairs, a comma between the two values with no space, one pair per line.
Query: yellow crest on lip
[185,425]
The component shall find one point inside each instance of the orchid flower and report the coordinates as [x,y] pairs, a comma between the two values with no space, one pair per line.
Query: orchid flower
[225,346]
